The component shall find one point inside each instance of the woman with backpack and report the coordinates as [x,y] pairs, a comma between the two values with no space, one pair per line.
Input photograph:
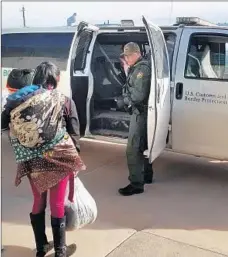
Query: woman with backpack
[44,133]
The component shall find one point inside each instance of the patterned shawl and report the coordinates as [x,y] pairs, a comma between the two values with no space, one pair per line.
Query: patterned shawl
[38,119]
[43,149]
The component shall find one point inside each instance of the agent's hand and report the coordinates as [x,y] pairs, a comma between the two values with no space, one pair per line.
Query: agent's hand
[124,65]
[128,109]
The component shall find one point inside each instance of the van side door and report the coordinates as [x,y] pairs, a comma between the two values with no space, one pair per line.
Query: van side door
[200,106]
[80,73]
[159,99]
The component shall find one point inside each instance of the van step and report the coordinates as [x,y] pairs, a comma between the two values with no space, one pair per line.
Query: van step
[111,114]
[111,120]
[110,133]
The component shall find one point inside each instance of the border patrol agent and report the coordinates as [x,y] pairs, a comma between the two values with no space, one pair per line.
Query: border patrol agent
[135,101]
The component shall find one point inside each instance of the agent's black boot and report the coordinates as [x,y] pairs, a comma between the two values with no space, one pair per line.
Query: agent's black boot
[59,236]
[131,189]
[38,225]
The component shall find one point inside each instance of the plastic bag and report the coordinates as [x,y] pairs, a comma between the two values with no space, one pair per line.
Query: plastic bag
[80,207]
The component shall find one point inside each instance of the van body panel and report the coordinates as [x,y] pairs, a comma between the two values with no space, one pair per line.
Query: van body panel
[200,105]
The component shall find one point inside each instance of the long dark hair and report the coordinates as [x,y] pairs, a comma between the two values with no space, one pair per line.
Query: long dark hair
[47,75]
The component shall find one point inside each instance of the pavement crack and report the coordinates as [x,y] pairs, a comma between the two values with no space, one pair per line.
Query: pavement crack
[126,239]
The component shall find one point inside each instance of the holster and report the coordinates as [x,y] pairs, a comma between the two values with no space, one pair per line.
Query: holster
[141,108]
[128,109]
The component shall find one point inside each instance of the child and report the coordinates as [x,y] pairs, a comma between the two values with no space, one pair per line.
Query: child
[17,79]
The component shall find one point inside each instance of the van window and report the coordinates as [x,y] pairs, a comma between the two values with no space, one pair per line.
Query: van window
[170,39]
[207,57]
[27,50]
[82,47]
[161,57]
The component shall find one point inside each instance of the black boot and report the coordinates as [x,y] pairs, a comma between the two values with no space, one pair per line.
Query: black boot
[59,236]
[131,190]
[38,225]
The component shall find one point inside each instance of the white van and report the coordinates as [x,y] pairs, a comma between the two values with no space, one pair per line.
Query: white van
[28,47]
[188,103]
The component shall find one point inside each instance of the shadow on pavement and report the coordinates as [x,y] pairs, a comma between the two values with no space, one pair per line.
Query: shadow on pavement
[189,193]
[71,249]
[15,250]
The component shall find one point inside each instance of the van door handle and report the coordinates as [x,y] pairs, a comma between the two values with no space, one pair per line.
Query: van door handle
[179,91]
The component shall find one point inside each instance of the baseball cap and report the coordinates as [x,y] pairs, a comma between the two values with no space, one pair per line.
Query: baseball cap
[131,48]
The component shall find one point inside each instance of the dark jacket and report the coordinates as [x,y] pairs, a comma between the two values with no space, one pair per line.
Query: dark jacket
[70,121]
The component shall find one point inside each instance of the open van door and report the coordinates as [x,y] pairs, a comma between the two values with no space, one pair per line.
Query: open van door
[159,99]
[80,73]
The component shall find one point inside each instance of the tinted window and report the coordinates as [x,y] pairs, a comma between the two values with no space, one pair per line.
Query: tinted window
[207,57]
[82,47]
[170,40]
[112,51]
[27,50]
[160,56]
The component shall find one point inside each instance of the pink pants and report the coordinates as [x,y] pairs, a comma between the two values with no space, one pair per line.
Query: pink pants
[57,198]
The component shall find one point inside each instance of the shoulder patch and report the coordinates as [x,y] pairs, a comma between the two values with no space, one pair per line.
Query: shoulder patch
[139,75]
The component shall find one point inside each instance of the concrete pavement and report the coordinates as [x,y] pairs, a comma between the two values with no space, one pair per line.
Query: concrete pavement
[183,214]
[143,244]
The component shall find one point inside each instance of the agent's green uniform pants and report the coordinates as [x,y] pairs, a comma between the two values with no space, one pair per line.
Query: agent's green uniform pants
[137,144]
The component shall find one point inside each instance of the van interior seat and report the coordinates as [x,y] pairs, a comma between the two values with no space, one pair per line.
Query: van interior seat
[206,63]
[105,85]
